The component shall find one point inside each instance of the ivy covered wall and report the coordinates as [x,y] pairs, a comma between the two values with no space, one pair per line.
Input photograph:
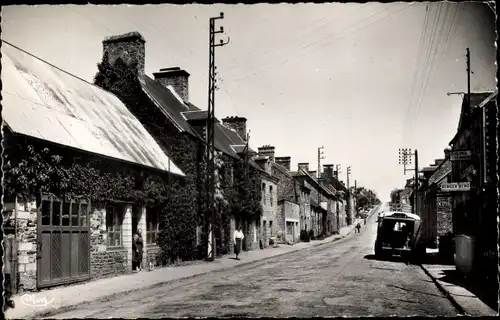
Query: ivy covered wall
[234,195]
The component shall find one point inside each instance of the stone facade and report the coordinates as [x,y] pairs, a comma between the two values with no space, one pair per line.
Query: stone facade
[290,220]
[104,261]
[26,240]
[129,47]
[269,222]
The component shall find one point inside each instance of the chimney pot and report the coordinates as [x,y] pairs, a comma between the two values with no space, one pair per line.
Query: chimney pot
[304,166]
[268,151]
[284,161]
[175,77]
[239,124]
[129,47]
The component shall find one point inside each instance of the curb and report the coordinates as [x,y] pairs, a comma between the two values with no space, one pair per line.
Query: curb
[67,308]
[449,296]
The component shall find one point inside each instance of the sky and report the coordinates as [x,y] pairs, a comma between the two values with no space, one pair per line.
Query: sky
[361,80]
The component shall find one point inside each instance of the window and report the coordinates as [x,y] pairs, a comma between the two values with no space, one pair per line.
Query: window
[59,213]
[114,221]
[231,176]
[271,195]
[264,193]
[152,223]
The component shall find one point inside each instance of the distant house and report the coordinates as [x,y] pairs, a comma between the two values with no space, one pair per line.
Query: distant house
[76,165]
[162,105]
[319,197]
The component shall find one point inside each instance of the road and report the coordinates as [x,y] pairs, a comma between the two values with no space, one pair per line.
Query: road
[334,279]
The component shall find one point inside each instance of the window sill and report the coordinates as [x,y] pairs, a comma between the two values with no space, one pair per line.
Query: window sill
[110,249]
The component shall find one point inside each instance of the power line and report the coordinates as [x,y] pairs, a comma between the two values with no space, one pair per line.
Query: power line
[331,37]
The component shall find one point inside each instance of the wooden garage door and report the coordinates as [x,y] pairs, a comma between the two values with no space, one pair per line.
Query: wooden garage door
[63,242]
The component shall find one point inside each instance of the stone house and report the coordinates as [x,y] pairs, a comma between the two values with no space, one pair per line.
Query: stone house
[431,201]
[270,226]
[474,211]
[73,158]
[330,177]
[319,197]
[163,106]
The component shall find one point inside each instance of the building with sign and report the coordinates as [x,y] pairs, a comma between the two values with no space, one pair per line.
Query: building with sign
[473,178]
[434,203]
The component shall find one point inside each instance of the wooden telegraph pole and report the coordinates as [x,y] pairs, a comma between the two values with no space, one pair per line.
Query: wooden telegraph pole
[210,137]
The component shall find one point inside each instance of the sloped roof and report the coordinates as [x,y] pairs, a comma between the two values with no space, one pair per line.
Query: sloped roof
[179,112]
[195,115]
[476,99]
[305,173]
[282,169]
[45,102]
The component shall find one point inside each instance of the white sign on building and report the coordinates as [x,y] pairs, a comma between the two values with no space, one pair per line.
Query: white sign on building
[455,186]
[460,155]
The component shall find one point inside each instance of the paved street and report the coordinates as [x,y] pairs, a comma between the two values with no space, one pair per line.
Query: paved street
[334,279]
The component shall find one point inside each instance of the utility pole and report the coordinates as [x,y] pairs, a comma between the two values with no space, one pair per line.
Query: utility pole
[349,196]
[356,196]
[467,56]
[405,159]
[210,136]
[320,157]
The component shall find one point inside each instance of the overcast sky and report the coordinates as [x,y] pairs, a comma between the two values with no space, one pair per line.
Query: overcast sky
[339,75]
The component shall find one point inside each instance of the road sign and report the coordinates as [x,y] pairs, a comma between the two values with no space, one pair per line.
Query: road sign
[455,186]
[460,155]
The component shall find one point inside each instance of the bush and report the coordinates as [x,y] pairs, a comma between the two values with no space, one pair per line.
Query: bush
[271,242]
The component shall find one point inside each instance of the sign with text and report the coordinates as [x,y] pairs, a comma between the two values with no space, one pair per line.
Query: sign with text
[455,186]
[460,155]
[470,171]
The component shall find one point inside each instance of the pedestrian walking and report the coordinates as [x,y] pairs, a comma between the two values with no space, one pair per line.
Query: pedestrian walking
[358,227]
[238,238]
[138,245]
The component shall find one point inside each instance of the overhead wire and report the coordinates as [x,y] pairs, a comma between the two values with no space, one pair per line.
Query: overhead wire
[417,64]
[434,61]
[449,33]
[301,50]
[427,58]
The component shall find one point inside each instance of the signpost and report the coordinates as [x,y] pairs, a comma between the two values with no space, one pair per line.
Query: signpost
[460,155]
[456,186]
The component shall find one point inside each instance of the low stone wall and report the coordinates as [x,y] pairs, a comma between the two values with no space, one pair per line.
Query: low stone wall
[108,264]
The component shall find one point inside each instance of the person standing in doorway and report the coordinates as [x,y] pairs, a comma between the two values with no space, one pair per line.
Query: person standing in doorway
[238,238]
[138,249]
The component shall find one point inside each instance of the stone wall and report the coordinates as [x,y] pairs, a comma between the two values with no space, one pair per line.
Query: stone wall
[444,215]
[269,211]
[26,240]
[105,262]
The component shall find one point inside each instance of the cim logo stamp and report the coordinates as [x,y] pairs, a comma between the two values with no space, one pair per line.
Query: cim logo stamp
[33,301]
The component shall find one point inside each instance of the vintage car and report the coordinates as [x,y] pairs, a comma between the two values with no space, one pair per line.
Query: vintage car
[398,235]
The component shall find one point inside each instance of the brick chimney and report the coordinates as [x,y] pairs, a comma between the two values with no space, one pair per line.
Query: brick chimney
[284,161]
[175,77]
[130,47]
[304,166]
[237,123]
[267,151]
[328,171]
